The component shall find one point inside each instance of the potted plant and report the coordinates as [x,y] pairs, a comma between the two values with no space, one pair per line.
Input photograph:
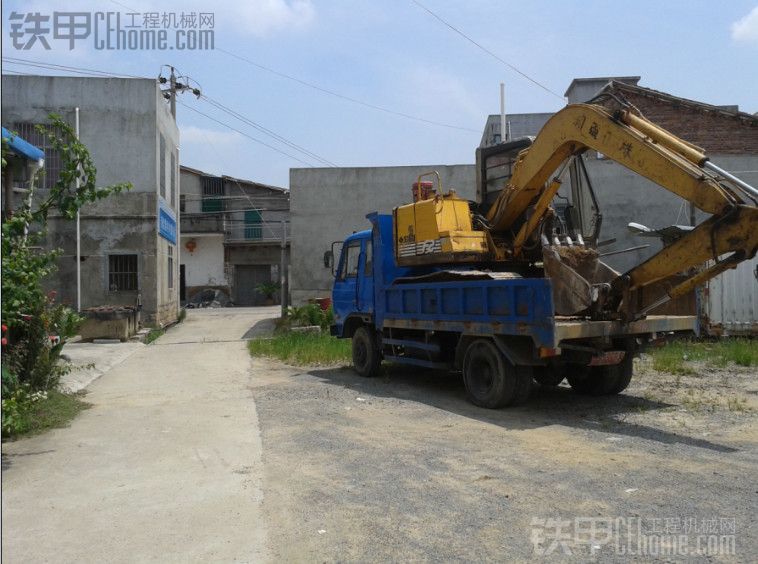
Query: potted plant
[268,289]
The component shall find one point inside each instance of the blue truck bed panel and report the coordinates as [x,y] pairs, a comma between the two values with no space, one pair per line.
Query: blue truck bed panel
[506,307]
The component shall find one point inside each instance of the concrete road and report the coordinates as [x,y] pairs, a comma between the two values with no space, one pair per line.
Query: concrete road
[165,466]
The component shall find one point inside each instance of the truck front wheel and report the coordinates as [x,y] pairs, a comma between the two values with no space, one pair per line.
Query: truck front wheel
[491,381]
[366,354]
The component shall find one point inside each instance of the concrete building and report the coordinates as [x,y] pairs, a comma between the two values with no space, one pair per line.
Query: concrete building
[234,234]
[128,242]
[330,203]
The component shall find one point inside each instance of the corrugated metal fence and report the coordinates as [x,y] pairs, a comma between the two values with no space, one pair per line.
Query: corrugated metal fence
[730,301]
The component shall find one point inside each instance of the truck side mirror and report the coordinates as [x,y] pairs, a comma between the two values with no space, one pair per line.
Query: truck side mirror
[329,260]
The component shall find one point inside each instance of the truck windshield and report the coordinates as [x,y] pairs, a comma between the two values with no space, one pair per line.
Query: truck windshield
[350,262]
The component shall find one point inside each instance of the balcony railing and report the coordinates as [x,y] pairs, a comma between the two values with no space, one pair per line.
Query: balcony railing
[201,223]
[258,232]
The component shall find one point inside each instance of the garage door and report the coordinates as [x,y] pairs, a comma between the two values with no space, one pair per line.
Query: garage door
[247,277]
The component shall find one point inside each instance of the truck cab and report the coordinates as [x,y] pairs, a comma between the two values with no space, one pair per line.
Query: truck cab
[353,291]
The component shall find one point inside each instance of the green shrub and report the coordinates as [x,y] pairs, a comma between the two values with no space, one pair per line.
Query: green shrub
[310,315]
[268,289]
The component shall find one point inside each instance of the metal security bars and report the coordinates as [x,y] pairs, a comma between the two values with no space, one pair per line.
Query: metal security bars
[122,273]
[52,170]
[213,187]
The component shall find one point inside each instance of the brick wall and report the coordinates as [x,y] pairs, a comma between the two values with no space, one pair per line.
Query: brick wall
[714,131]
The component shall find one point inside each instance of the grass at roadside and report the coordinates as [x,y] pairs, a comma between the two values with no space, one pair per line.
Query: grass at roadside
[153,335]
[303,348]
[677,357]
[57,410]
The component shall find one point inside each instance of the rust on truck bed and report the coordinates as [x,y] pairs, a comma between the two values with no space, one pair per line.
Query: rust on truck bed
[574,328]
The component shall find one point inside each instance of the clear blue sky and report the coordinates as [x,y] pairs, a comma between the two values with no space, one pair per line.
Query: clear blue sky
[392,53]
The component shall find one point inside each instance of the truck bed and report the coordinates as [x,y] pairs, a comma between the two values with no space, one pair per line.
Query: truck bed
[521,307]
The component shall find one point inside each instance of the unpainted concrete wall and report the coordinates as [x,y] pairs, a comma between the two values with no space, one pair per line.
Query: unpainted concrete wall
[327,204]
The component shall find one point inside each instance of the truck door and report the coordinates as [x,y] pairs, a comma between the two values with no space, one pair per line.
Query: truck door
[366,278]
[345,293]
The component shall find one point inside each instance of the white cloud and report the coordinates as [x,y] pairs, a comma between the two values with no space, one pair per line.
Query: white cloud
[746,28]
[216,139]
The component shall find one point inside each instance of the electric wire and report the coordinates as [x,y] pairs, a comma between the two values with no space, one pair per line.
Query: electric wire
[306,163]
[345,97]
[216,103]
[490,53]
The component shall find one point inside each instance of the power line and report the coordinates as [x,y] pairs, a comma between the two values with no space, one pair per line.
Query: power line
[219,105]
[306,163]
[344,97]
[67,68]
[490,53]
[265,130]
[105,74]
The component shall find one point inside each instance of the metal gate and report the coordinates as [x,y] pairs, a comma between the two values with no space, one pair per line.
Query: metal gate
[246,278]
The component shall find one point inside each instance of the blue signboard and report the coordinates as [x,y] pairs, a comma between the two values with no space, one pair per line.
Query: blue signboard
[166,222]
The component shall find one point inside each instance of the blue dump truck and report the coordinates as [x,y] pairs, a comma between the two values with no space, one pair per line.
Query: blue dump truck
[498,328]
[510,289]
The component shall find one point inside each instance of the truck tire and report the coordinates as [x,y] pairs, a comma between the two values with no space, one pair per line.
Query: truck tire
[602,380]
[366,353]
[490,380]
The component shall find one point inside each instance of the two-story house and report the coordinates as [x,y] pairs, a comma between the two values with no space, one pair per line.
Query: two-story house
[234,235]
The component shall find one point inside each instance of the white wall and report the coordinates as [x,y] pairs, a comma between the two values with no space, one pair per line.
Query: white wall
[205,265]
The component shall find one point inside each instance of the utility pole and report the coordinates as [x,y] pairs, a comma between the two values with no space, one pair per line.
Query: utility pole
[503,124]
[175,85]
[172,90]
[283,286]
[78,231]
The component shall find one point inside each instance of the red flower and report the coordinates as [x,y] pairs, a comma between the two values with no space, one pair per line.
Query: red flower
[3,341]
[4,327]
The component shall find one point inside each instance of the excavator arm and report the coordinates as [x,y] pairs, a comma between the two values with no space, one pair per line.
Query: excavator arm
[655,154]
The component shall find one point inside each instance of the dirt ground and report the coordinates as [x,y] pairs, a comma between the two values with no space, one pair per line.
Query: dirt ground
[402,468]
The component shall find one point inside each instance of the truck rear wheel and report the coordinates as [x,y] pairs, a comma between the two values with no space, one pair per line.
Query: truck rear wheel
[602,380]
[491,381]
[366,354]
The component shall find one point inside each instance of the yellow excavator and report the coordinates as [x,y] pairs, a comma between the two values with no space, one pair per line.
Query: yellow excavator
[513,226]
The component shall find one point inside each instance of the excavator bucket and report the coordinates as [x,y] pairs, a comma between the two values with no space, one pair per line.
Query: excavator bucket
[575,273]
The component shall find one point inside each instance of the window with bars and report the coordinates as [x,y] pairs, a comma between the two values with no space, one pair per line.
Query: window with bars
[213,190]
[173,179]
[170,266]
[52,170]
[182,203]
[162,173]
[122,273]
